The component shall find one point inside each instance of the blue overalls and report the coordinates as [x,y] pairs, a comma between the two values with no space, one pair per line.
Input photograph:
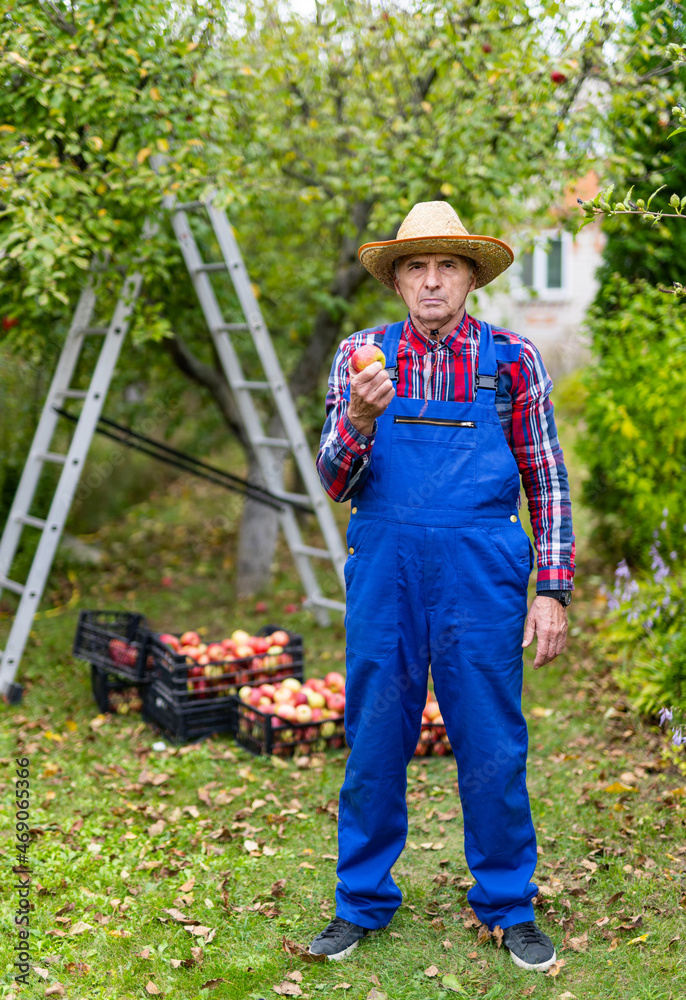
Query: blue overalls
[437,574]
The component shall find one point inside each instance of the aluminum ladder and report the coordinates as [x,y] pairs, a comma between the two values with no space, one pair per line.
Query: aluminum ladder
[266,448]
[50,528]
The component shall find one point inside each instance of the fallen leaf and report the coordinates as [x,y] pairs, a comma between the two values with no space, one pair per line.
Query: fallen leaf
[80,927]
[590,866]
[43,973]
[342,986]
[268,851]
[539,712]
[602,921]
[286,989]
[431,971]
[617,788]
[529,990]
[556,968]
[197,954]
[483,935]
[251,845]
[301,951]
[375,994]
[187,886]
[567,995]
[156,828]
[151,988]
[447,944]
[498,935]
[211,984]
[295,975]
[144,953]
[57,990]
[179,916]
[638,940]
[614,943]
[451,982]
[277,888]
[306,864]
[374,980]
[578,943]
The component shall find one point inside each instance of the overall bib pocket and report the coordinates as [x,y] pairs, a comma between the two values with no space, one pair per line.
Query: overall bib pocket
[433,460]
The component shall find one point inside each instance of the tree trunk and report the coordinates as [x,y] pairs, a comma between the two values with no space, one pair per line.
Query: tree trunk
[257,540]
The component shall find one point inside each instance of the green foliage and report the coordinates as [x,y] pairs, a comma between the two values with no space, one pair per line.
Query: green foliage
[646,634]
[635,437]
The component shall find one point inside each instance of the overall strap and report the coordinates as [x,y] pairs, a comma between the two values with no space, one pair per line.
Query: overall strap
[487,377]
[390,343]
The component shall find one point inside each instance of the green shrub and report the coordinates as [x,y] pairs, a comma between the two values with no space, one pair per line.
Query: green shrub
[634,437]
[645,633]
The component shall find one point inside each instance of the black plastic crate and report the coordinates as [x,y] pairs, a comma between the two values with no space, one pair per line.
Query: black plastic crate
[187,722]
[264,733]
[116,641]
[115,694]
[176,672]
[189,706]
[433,741]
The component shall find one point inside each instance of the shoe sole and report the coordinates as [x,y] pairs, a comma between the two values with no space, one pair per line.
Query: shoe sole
[528,967]
[340,954]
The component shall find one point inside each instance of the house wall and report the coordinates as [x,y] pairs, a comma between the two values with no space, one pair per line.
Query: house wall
[553,323]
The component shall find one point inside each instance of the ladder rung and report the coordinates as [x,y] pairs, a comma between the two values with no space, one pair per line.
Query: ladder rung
[32,522]
[232,328]
[94,331]
[310,550]
[219,265]
[6,584]
[268,442]
[51,456]
[325,602]
[188,206]
[245,384]
[72,393]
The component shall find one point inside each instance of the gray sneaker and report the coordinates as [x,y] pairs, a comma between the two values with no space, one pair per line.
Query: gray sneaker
[529,947]
[338,940]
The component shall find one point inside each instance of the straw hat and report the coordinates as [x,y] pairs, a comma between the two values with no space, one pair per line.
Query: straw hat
[435,227]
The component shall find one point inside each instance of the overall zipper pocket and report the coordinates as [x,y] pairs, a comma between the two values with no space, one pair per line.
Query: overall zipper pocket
[437,421]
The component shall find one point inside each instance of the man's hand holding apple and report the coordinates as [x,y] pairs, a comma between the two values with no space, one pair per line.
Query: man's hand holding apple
[371,390]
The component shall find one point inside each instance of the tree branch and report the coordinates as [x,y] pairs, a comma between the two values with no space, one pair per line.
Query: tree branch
[57,17]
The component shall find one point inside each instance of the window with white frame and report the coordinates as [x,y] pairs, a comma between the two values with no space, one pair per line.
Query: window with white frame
[545,269]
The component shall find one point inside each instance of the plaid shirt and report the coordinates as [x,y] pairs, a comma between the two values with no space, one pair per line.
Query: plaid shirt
[446,370]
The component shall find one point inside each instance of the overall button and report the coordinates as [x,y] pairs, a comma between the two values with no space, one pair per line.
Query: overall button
[354,510]
[351,550]
[513,517]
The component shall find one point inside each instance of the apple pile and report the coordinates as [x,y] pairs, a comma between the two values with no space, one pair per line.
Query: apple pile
[433,738]
[240,658]
[123,653]
[312,708]
[123,702]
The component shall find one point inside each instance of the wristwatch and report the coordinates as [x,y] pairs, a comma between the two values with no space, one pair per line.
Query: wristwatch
[563,596]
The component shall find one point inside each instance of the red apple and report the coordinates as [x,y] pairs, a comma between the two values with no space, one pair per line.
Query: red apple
[301,698]
[203,659]
[215,651]
[282,696]
[190,639]
[254,698]
[286,711]
[259,644]
[243,651]
[268,691]
[557,77]
[486,47]
[365,356]
[170,640]
[335,681]
[316,714]
[240,637]
[291,682]
[228,645]
[8,322]
[244,693]
[432,711]
[337,703]
[280,637]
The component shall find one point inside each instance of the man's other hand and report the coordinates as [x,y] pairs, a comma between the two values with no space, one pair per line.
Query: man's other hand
[547,620]
[371,390]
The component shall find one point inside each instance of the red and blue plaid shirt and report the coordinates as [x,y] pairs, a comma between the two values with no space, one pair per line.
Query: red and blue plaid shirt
[446,370]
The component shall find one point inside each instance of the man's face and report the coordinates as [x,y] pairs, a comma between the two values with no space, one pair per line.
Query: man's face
[434,287]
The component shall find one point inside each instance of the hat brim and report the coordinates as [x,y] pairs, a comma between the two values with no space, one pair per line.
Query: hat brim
[490,255]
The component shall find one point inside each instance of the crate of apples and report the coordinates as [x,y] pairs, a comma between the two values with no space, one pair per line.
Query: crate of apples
[433,739]
[216,669]
[292,717]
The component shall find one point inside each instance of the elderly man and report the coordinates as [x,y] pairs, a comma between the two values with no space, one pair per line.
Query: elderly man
[431,449]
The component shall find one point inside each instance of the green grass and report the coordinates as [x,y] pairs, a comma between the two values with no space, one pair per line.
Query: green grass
[112,849]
